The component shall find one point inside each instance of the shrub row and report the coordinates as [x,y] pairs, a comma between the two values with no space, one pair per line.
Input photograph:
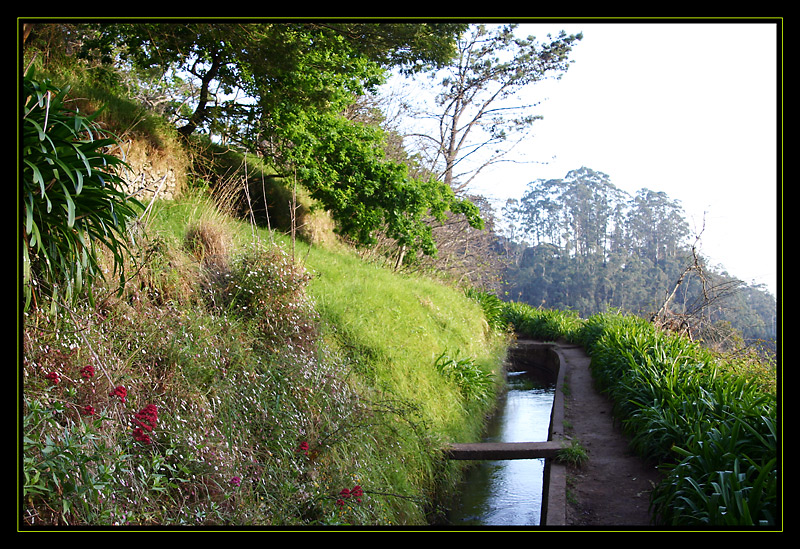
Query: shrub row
[713,432]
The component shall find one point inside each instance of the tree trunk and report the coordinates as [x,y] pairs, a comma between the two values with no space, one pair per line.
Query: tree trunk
[200,113]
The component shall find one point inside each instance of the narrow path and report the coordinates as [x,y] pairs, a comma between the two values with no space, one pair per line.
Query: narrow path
[613,488]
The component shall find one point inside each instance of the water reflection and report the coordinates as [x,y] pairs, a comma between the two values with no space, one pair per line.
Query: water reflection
[509,493]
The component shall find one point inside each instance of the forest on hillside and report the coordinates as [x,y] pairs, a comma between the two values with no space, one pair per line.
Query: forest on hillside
[581,243]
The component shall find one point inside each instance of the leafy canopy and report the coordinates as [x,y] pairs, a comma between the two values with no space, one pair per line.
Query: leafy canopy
[298,80]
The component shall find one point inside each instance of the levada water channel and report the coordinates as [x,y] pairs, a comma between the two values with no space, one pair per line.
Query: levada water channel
[510,492]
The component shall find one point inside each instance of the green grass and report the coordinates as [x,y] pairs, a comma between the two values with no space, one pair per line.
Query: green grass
[281,375]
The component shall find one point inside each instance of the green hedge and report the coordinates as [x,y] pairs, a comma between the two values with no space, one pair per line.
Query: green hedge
[713,432]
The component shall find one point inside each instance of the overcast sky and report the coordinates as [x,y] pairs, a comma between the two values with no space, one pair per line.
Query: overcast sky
[684,108]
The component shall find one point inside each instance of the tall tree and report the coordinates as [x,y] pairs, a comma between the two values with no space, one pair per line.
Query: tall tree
[475,110]
[657,228]
[582,213]
[262,60]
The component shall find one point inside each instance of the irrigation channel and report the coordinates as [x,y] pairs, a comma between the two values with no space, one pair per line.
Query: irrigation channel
[518,491]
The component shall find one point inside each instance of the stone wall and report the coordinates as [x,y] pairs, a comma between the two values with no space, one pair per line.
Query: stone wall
[152,172]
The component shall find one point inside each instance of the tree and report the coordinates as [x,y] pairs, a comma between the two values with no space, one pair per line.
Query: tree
[474,111]
[657,228]
[246,70]
[299,80]
[582,213]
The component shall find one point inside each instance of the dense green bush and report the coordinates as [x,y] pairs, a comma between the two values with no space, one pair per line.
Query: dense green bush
[545,324]
[712,430]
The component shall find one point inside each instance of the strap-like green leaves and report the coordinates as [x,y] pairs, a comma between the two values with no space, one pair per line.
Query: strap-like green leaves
[70,197]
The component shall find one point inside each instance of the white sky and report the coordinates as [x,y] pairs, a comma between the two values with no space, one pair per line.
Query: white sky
[689,109]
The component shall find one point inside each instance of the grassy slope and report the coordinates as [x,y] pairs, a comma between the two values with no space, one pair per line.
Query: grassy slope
[387,329]
[234,402]
[226,409]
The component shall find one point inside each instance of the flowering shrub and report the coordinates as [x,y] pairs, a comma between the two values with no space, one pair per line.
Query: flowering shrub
[356,492]
[53,377]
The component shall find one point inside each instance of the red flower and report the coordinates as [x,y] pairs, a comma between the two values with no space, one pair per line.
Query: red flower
[88,410]
[303,447]
[121,392]
[141,436]
[146,417]
[87,371]
[356,492]
[52,376]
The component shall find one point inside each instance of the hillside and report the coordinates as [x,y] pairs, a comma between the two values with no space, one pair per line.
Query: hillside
[215,336]
[320,377]
[244,369]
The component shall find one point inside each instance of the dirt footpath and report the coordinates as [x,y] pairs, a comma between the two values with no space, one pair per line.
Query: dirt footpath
[613,488]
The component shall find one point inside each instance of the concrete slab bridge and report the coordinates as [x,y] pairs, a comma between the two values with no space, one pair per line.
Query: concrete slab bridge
[547,358]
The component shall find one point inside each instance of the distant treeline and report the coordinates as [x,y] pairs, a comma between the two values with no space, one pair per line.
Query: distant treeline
[580,243]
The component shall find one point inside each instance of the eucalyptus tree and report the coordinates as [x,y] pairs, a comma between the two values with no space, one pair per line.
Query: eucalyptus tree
[657,228]
[478,107]
[582,213]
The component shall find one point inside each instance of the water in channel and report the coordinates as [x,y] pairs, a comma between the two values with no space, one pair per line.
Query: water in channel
[509,492]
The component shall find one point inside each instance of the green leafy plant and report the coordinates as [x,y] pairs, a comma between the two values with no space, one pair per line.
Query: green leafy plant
[545,324]
[492,308]
[713,431]
[71,201]
[574,454]
[473,382]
